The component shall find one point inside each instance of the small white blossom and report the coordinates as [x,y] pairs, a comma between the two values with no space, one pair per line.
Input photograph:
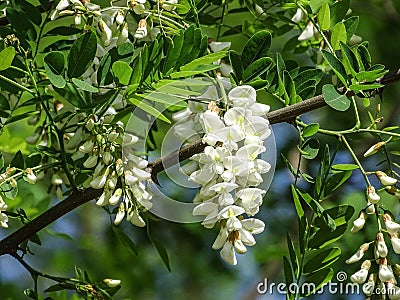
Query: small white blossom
[373,197]
[309,32]
[30,176]
[395,243]
[385,179]
[298,16]
[105,32]
[391,227]
[385,272]
[112,282]
[359,254]
[141,31]
[361,275]
[359,223]
[120,214]
[381,247]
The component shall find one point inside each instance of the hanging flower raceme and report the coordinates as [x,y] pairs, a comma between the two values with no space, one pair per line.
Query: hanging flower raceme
[229,169]
[102,151]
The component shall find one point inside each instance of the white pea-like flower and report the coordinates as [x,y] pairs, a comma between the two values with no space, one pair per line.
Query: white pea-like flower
[119,17]
[169,5]
[120,214]
[393,291]
[370,208]
[361,275]
[141,31]
[374,149]
[123,34]
[385,179]
[134,217]
[78,19]
[385,272]
[391,226]
[298,16]
[30,176]
[309,32]
[104,32]
[112,282]
[3,216]
[373,197]
[359,254]
[63,4]
[381,247]
[228,253]
[115,197]
[395,243]
[56,179]
[368,287]
[359,223]
[99,181]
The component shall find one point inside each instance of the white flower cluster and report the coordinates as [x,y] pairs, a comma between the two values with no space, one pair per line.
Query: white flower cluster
[229,169]
[386,270]
[103,152]
[110,23]
[3,216]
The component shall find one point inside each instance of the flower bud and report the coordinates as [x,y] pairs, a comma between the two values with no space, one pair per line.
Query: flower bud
[115,197]
[120,214]
[119,17]
[107,157]
[141,31]
[134,217]
[56,179]
[105,32]
[13,183]
[63,4]
[385,272]
[359,223]
[395,243]
[239,247]
[359,254]
[381,247]
[112,282]
[370,208]
[374,149]
[391,227]
[78,19]
[385,179]
[298,16]
[30,176]
[373,197]
[368,288]
[360,276]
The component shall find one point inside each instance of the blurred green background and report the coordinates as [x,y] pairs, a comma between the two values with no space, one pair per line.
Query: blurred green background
[84,238]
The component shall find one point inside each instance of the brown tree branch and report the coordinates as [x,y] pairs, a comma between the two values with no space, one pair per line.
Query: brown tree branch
[10,244]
